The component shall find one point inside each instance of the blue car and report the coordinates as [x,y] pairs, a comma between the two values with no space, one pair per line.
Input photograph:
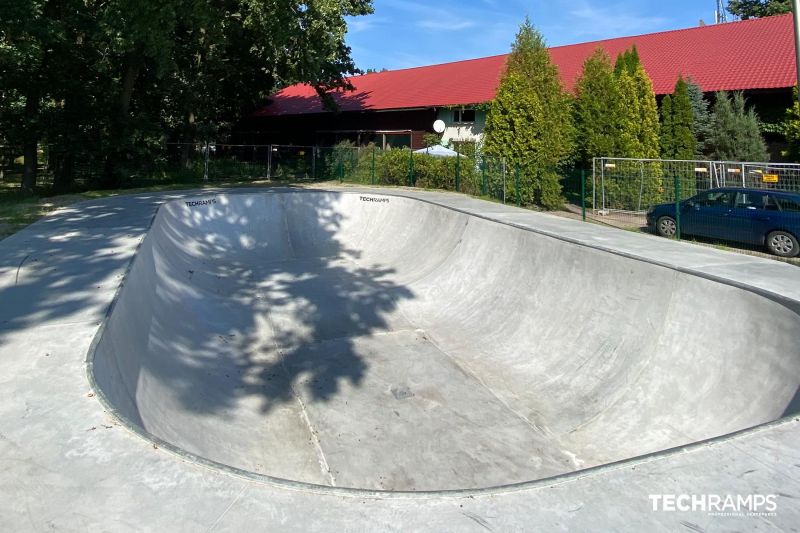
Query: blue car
[752,216]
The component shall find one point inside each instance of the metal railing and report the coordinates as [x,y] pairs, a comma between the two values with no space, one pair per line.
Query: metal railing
[623,189]
[635,185]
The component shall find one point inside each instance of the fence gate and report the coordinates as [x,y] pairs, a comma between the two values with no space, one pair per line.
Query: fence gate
[629,187]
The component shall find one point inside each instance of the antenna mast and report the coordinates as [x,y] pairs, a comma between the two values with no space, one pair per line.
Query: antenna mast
[721,15]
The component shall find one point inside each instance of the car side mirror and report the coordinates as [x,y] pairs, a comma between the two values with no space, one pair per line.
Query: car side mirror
[690,203]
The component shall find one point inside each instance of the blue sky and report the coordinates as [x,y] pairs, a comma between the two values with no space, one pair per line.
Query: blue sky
[408,33]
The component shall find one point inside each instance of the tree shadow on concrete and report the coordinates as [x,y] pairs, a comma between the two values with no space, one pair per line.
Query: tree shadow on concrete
[61,269]
[217,340]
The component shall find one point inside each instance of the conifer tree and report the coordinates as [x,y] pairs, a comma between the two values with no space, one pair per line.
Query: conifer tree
[638,133]
[736,135]
[628,121]
[530,120]
[684,142]
[667,129]
[639,124]
[791,129]
[701,118]
[597,108]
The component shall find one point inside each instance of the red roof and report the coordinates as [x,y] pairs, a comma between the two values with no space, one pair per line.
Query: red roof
[749,54]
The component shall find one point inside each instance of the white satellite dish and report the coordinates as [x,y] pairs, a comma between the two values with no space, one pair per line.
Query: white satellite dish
[439,126]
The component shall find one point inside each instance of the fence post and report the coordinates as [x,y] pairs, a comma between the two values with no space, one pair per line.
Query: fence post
[410,167]
[205,165]
[484,185]
[504,180]
[313,163]
[341,170]
[269,162]
[583,194]
[677,207]
[458,171]
[372,169]
[516,186]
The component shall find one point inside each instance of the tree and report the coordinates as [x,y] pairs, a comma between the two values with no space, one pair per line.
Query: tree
[736,135]
[701,117]
[648,110]
[747,9]
[111,81]
[627,61]
[677,127]
[597,108]
[530,120]
[791,129]
[667,128]
[628,122]
[638,135]
[639,124]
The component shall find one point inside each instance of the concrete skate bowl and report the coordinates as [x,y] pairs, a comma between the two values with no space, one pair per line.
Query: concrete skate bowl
[386,343]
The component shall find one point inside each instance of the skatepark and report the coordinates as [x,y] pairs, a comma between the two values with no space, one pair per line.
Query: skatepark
[400,358]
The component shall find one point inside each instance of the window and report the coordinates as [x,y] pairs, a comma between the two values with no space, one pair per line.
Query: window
[714,199]
[397,140]
[463,115]
[788,203]
[751,200]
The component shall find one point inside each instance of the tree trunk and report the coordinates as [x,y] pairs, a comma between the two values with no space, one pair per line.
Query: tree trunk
[30,140]
[62,172]
[63,157]
[188,141]
[132,66]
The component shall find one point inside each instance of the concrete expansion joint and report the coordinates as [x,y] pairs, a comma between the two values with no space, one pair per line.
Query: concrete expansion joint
[323,462]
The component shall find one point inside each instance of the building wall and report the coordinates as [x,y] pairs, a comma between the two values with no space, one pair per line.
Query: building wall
[325,129]
[462,132]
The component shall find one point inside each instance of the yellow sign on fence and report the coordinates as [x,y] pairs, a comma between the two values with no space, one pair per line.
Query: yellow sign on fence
[769,178]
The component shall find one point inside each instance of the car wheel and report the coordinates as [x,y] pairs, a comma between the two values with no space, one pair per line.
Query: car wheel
[666,227]
[783,244]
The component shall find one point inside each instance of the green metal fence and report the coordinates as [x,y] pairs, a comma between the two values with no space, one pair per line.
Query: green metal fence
[619,192]
[477,176]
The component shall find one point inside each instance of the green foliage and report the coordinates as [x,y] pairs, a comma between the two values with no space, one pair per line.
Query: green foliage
[759,8]
[530,120]
[465,148]
[627,61]
[677,124]
[111,81]
[683,122]
[791,130]
[701,118]
[628,125]
[736,135]
[431,139]
[597,109]
[638,126]
[648,111]
[637,131]
[394,167]
[667,128]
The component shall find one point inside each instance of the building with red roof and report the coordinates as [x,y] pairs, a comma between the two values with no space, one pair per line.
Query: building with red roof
[397,107]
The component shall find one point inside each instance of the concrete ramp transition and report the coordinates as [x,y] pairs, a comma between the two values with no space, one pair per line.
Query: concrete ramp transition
[387,343]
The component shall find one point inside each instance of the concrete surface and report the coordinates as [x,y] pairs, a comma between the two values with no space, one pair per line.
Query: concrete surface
[291,336]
